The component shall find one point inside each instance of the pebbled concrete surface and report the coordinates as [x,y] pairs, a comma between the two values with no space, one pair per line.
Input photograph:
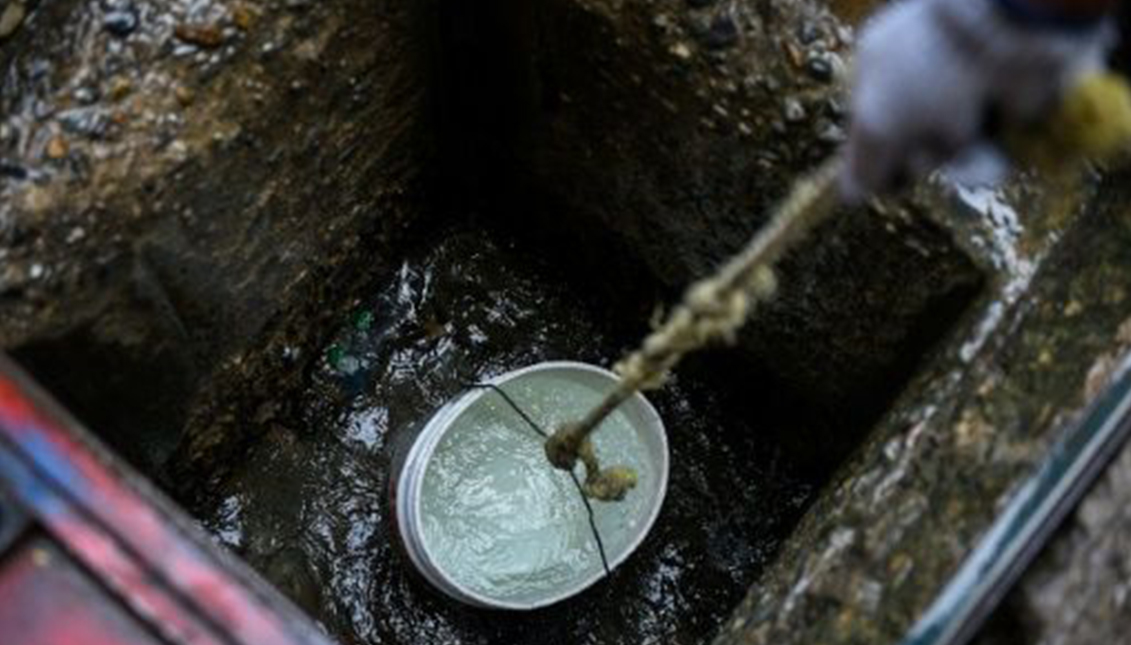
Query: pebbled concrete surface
[178,177]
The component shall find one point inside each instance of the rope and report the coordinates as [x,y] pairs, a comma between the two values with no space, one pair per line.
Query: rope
[576,482]
[713,310]
[1091,123]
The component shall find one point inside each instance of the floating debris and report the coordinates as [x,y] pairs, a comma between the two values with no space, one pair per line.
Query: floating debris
[364,320]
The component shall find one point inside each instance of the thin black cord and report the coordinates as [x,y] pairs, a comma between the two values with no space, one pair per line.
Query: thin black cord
[542,433]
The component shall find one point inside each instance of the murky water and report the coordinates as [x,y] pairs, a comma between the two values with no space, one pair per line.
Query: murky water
[310,507]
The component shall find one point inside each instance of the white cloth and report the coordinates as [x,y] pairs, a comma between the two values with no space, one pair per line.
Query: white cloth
[927,74]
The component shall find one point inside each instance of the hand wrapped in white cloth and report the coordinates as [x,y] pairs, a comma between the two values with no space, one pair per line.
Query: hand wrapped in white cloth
[933,76]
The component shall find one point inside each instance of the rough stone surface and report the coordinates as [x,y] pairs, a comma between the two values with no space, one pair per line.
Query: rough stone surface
[899,519]
[176,178]
[1079,590]
[656,153]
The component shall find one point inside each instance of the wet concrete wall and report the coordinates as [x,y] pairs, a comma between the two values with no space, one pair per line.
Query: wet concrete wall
[887,534]
[179,180]
[1077,591]
[660,135]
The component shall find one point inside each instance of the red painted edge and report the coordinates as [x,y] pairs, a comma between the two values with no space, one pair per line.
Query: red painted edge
[133,540]
[47,599]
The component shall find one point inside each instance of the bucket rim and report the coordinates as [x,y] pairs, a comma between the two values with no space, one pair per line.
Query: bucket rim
[428,441]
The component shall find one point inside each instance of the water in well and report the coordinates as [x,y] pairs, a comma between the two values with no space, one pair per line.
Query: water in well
[309,507]
[501,523]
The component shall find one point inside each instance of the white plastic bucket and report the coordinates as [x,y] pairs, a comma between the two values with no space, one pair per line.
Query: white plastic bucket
[408,484]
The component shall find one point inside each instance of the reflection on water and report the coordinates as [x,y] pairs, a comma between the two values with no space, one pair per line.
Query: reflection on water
[310,507]
[501,521]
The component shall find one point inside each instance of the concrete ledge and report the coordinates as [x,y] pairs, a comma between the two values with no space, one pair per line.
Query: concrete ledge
[175,183]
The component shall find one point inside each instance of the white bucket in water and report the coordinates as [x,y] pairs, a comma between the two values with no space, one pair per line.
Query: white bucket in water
[487,520]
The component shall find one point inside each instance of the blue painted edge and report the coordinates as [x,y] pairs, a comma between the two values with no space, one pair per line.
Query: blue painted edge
[1029,519]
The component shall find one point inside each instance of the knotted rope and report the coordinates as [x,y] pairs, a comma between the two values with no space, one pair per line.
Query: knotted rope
[1092,123]
[713,310]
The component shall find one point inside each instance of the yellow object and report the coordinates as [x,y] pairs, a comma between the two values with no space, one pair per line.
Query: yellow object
[1092,123]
